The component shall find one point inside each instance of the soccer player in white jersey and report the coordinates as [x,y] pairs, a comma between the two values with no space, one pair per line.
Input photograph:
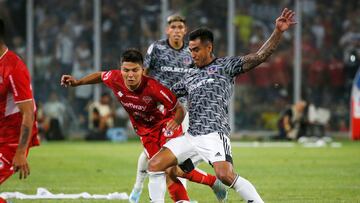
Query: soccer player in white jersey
[167,60]
[209,91]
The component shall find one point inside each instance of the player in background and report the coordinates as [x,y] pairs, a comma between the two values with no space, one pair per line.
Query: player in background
[167,60]
[153,109]
[18,131]
[209,91]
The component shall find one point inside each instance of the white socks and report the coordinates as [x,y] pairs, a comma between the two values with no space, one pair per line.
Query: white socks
[246,190]
[157,187]
[141,173]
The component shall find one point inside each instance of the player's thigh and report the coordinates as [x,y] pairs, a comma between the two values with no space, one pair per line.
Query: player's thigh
[181,148]
[213,147]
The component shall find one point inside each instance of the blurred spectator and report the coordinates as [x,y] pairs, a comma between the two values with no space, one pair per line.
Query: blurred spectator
[54,111]
[101,118]
[292,122]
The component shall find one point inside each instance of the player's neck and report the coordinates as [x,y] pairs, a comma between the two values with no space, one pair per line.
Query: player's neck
[176,44]
[133,87]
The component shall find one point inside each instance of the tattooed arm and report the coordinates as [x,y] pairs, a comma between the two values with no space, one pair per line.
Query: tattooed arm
[283,23]
[19,162]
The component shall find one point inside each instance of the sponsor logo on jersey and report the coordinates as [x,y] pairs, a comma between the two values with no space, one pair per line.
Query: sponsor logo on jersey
[134,106]
[212,69]
[120,94]
[203,82]
[147,99]
[175,69]
[217,154]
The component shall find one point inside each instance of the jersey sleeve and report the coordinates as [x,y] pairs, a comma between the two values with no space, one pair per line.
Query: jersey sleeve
[107,77]
[179,89]
[21,83]
[165,96]
[233,65]
[148,62]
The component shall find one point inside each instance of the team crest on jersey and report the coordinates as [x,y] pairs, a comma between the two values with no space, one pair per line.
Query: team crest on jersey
[1,164]
[187,60]
[212,69]
[147,99]
[168,133]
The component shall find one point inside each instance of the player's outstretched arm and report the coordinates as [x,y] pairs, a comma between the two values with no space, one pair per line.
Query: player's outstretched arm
[178,118]
[19,162]
[283,23]
[68,80]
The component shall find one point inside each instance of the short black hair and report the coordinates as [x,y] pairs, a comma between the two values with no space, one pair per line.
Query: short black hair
[176,18]
[2,30]
[132,55]
[204,34]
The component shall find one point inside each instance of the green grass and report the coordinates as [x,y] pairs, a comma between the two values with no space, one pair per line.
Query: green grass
[280,174]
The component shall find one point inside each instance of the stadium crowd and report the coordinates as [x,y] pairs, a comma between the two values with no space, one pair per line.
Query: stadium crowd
[63,44]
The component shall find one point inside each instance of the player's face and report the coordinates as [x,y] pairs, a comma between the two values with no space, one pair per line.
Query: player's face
[176,31]
[132,74]
[200,52]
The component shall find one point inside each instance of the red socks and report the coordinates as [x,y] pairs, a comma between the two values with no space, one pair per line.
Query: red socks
[178,192]
[201,177]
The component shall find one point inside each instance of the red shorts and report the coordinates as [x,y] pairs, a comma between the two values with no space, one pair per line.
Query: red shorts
[7,154]
[153,141]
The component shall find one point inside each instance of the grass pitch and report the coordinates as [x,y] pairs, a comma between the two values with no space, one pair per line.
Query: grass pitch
[295,174]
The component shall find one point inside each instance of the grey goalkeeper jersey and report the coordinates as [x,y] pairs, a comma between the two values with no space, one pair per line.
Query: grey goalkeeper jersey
[168,65]
[209,91]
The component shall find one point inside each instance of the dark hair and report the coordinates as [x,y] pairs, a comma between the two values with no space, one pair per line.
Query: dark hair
[204,34]
[132,55]
[2,30]
[175,18]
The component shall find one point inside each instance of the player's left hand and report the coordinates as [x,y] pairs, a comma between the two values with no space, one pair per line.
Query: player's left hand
[285,20]
[172,125]
[21,165]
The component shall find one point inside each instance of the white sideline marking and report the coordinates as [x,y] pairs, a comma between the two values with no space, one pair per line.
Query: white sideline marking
[262,144]
[286,144]
[43,193]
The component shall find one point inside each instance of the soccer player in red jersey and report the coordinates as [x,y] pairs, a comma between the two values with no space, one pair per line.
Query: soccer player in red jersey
[18,130]
[153,109]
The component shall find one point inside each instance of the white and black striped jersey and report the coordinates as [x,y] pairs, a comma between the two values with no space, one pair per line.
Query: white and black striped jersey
[166,64]
[208,90]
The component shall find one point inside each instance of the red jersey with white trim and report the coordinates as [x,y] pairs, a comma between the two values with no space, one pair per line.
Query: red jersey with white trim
[15,87]
[149,106]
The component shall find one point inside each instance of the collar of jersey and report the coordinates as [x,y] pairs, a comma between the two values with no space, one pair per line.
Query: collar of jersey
[167,41]
[208,64]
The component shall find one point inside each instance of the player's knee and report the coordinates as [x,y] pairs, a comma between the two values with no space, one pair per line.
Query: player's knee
[225,176]
[154,165]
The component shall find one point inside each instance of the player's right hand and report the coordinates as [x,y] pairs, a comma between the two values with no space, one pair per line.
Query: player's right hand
[21,165]
[68,80]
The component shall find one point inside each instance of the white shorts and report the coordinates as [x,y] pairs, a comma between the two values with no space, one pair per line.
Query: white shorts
[212,147]
[185,123]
